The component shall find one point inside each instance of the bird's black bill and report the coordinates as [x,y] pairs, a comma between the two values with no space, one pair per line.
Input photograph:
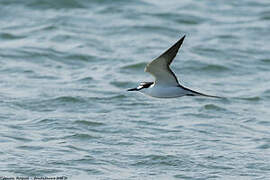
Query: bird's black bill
[133,89]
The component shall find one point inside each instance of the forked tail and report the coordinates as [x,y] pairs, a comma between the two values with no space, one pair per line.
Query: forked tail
[195,93]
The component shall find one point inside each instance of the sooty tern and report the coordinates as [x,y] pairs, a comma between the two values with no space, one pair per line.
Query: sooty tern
[166,84]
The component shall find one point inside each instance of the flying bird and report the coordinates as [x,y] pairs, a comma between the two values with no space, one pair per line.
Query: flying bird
[166,84]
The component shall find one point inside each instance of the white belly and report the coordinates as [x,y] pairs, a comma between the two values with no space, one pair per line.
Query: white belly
[164,92]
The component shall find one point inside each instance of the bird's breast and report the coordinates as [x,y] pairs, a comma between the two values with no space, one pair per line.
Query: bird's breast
[164,92]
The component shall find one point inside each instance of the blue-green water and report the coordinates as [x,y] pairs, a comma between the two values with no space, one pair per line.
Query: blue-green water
[65,66]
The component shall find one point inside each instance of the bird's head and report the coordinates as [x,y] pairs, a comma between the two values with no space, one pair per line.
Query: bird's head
[142,85]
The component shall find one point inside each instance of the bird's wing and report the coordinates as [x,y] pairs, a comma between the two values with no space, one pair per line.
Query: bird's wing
[160,69]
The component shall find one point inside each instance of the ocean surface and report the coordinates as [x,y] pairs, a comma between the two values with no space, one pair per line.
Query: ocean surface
[65,66]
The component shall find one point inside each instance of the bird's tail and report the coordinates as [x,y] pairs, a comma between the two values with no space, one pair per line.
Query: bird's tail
[195,93]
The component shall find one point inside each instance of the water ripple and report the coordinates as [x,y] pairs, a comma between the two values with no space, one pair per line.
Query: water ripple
[65,66]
